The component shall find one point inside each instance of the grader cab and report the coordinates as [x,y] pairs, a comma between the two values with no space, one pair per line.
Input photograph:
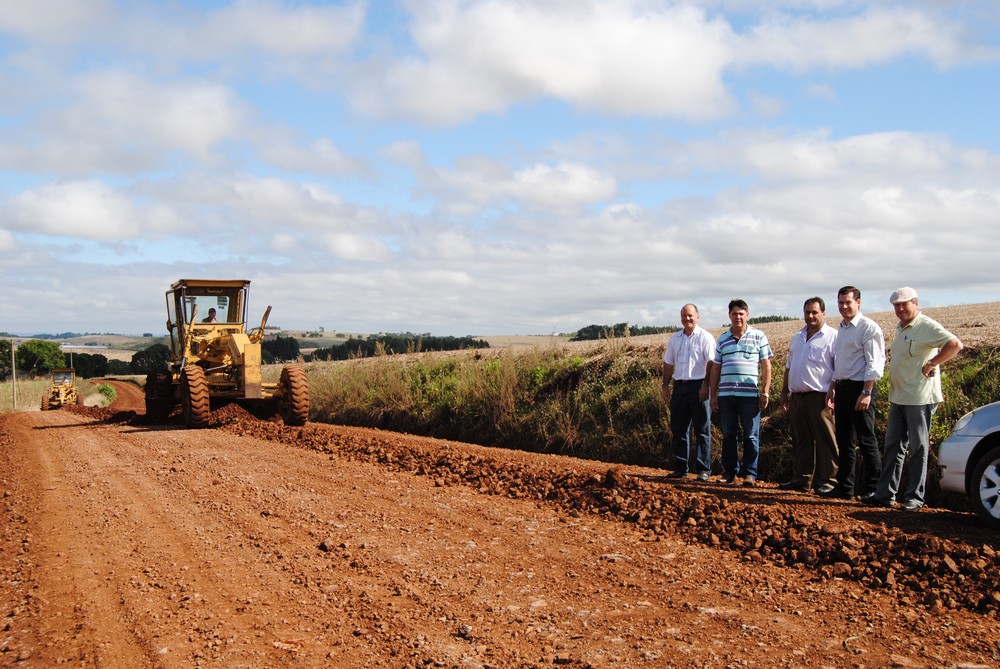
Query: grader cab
[62,389]
[215,358]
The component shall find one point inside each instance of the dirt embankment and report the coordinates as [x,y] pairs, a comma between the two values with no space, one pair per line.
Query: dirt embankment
[257,545]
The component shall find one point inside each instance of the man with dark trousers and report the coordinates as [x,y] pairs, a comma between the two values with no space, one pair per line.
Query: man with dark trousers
[687,363]
[859,364]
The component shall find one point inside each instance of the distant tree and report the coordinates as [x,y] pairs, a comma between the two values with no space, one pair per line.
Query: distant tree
[390,344]
[90,365]
[152,359]
[4,359]
[757,320]
[619,330]
[39,357]
[118,368]
[284,349]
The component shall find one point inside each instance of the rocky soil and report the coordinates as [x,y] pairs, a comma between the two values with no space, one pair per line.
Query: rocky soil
[252,544]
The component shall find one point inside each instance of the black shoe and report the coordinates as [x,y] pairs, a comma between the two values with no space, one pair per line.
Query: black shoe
[797,486]
[874,500]
[824,489]
[912,505]
[678,475]
[729,478]
[836,493]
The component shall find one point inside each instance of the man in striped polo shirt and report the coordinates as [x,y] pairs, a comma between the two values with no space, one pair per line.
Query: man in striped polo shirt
[741,378]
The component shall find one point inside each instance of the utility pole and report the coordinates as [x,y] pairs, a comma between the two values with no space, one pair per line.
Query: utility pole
[13,378]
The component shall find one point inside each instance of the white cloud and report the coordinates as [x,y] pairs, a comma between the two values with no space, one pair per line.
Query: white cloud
[53,20]
[875,35]
[7,241]
[190,115]
[479,57]
[478,183]
[276,29]
[355,247]
[79,209]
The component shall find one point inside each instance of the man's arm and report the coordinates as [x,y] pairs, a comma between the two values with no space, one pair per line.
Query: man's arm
[947,352]
[874,348]
[668,373]
[704,392]
[714,386]
[784,391]
[765,378]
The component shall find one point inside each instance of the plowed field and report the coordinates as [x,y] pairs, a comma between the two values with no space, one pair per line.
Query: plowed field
[255,545]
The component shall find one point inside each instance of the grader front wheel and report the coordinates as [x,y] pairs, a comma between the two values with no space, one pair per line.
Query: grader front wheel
[294,400]
[195,397]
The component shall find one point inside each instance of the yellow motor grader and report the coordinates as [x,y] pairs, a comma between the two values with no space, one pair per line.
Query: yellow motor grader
[214,358]
[62,389]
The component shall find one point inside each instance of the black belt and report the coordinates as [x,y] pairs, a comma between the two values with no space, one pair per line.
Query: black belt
[689,380]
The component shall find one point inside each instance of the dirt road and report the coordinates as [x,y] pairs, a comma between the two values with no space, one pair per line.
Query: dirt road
[256,545]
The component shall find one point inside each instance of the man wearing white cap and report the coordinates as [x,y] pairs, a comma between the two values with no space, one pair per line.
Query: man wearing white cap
[920,347]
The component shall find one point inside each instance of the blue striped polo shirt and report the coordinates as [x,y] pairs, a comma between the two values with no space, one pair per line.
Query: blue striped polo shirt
[739,361]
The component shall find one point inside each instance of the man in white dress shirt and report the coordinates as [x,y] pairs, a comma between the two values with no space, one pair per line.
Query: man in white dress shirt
[808,375]
[687,363]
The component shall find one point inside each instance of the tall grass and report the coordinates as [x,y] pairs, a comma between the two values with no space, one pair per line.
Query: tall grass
[595,404]
[600,403]
[29,394]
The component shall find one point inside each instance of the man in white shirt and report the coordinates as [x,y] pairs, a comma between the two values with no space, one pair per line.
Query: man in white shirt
[808,375]
[687,362]
[860,363]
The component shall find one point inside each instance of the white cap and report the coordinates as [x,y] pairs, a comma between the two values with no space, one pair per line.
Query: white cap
[904,294]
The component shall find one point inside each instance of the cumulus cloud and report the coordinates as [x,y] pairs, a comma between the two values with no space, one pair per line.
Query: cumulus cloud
[53,20]
[80,209]
[875,35]
[189,115]
[478,57]
[479,183]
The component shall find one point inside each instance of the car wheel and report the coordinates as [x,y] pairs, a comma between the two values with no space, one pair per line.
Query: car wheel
[984,490]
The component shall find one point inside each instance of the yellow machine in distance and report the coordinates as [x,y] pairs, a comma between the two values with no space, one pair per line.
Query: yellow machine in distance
[62,389]
[214,358]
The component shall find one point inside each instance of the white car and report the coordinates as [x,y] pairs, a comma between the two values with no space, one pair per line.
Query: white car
[970,461]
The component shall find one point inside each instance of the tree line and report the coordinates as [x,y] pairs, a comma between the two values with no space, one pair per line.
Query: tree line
[389,344]
[38,357]
[618,330]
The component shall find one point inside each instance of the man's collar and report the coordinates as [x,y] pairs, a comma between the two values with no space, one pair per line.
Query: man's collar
[844,323]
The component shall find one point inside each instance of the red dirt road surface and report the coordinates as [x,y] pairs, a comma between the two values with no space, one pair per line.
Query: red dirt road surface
[251,544]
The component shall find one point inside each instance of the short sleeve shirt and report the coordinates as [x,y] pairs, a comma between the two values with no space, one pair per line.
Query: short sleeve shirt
[810,360]
[690,355]
[739,362]
[913,346]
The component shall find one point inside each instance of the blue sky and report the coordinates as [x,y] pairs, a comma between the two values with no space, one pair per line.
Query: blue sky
[493,167]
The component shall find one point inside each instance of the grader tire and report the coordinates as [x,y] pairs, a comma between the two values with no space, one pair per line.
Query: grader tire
[294,400]
[195,398]
[45,404]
